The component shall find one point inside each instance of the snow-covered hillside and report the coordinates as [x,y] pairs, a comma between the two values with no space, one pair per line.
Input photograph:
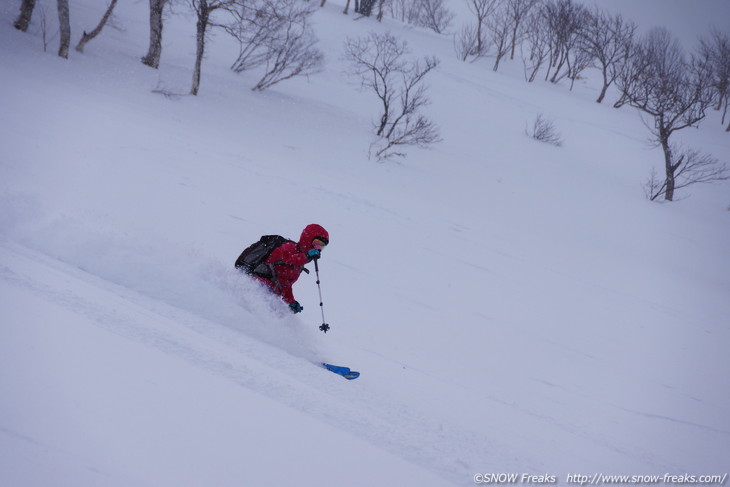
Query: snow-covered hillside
[513,307]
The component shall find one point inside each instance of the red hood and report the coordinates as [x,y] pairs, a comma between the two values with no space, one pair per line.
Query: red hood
[310,233]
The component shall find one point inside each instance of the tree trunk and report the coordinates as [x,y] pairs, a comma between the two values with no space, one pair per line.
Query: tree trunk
[558,68]
[365,7]
[496,62]
[480,47]
[549,64]
[26,12]
[64,25]
[87,37]
[602,95]
[380,11]
[152,58]
[514,41]
[203,16]
[669,167]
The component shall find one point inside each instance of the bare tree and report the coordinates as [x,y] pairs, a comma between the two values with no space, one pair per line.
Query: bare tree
[277,35]
[152,58]
[253,26]
[538,43]
[64,25]
[517,10]
[564,19]
[203,10]
[430,14]
[607,39]
[500,29]
[715,49]
[26,12]
[693,167]
[629,72]
[377,61]
[381,9]
[482,10]
[45,36]
[465,42]
[365,7]
[404,10]
[294,55]
[674,92]
[97,30]
[434,15]
[578,61]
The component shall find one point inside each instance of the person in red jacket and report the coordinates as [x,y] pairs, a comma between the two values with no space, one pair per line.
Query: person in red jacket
[288,260]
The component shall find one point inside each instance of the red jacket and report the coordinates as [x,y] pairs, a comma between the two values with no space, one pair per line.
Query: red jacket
[289,260]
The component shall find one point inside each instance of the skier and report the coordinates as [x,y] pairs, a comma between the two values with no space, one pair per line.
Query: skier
[287,261]
[278,262]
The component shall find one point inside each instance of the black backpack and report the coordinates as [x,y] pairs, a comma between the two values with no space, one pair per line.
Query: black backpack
[251,261]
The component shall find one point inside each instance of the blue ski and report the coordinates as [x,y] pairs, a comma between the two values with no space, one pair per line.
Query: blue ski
[343,371]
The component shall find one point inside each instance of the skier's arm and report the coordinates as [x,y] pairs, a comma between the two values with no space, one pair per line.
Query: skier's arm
[287,295]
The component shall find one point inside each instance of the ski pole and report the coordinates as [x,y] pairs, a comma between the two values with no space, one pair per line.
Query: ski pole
[324,326]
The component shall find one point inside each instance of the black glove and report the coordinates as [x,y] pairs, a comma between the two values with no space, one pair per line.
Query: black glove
[296,307]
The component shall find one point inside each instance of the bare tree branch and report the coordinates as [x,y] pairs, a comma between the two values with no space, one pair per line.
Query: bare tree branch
[276,35]
[691,167]
[607,39]
[97,30]
[377,61]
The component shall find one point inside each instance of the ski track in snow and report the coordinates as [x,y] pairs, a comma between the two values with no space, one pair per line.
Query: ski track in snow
[266,370]
[445,449]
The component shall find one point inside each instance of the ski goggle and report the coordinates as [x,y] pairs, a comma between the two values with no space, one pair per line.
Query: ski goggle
[319,243]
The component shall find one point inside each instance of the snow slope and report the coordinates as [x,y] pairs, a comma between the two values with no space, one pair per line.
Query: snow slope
[513,307]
